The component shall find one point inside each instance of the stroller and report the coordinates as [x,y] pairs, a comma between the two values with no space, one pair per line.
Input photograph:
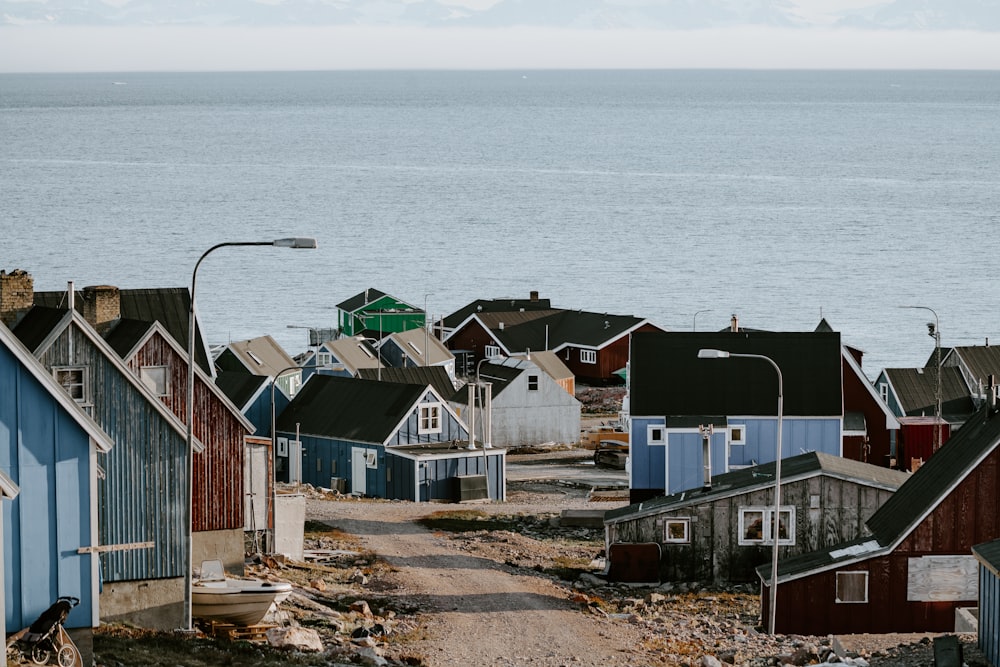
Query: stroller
[46,637]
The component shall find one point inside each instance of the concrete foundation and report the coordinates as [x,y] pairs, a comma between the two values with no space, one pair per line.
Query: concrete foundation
[967,619]
[224,545]
[154,603]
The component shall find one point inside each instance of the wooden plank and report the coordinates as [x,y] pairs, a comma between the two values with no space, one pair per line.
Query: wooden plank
[105,548]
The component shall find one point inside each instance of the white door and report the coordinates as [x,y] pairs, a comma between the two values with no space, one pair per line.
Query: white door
[359,470]
[294,461]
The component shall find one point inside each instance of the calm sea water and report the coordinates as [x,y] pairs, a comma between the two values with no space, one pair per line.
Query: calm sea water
[782,197]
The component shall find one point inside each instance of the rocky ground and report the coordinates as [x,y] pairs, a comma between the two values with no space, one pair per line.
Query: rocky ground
[361,608]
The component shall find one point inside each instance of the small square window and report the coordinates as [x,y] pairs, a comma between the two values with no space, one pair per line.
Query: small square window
[532,383]
[676,531]
[430,418]
[324,359]
[737,435]
[491,351]
[655,435]
[852,587]
[155,377]
[588,356]
[74,381]
[757,526]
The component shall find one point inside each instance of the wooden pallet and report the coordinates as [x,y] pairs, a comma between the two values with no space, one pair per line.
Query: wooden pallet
[247,633]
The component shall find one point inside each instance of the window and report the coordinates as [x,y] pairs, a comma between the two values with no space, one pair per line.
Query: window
[852,587]
[74,381]
[588,356]
[155,377]
[414,347]
[737,435]
[883,391]
[656,435]
[757,526]
[532,383]
[370,459]
[430,418]
[319,464]
[324,359]
[676,531]
[491,351]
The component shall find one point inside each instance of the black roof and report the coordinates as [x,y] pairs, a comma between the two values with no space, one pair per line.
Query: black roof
[937,476]
[362,299]
[668,378]
[981,360]
[577,327]
[762,476]
[167,305]
[435,376]
[916,391]
[500,375]
[37,324]
[125,334]
[988,553]
[349,408]
[240,387]
[495,306]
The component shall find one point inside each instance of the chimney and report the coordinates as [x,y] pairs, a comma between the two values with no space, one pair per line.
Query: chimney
[501,326]
[534,295]
[17,295]
[101,306]
[734,323]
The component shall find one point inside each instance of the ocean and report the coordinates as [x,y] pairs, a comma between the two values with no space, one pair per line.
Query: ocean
[684,197]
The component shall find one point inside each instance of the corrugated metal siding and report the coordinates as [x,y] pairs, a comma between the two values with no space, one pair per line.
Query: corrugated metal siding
[142,496]
[989,615]
[408,433]
[218,470]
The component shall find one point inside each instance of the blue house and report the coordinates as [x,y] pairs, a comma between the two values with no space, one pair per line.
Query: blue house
[142,515]
[344,357]
[693,418]
[53,451]
[388,440]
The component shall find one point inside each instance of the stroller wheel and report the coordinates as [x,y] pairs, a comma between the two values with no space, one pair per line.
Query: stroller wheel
[40,655]
[66,657]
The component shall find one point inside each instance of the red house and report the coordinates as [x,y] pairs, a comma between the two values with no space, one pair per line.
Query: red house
[592,345]
[916,566]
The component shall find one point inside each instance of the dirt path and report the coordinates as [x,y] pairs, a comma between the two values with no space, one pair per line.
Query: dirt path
[474,611]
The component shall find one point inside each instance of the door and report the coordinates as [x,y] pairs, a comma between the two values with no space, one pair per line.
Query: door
[359,470]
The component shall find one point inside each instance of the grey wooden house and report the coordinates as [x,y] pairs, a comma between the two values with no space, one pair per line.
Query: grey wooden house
[721,533]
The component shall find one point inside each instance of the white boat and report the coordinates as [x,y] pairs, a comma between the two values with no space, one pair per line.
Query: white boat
[216,597]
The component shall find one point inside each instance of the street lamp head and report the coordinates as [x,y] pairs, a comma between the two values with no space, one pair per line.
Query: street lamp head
[295,242]
[708,353]
[931,330]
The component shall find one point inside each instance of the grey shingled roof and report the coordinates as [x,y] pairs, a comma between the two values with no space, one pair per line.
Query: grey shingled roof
[668,378]
[495,306]
[981,360]
[499,374]
[916,391]
[349,409]
[436,376]
[744,480]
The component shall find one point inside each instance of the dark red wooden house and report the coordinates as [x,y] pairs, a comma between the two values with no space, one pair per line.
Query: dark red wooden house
[916,566]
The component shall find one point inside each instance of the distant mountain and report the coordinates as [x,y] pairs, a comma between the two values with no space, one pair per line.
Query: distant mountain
[592,14]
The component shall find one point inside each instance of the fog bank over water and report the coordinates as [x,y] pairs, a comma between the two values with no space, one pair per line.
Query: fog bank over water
[187,48]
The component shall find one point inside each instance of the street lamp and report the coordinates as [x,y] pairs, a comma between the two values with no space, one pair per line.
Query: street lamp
[293,242]
[934,331]
[694,320]
[722,354]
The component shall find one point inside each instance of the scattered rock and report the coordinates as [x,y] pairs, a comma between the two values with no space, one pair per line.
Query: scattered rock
[300,639]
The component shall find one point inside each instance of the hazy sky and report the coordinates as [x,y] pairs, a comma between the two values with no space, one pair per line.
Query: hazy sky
[122,48]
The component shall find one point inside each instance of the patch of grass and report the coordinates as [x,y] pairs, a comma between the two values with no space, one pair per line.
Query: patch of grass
[465,521]
[568,568]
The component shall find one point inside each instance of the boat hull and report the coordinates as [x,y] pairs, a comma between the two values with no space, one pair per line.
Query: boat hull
[231,605]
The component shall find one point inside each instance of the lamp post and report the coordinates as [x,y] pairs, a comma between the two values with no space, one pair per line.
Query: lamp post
[293,242]
[694,320]
[934,331]
[722,354]
[426,361]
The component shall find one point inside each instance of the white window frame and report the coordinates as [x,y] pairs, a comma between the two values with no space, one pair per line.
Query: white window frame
[588,356]
[159,386]
[61,373]
[839,600]
[650,440]
[429,418]
[738,434]
[324,359]
[533,381]
[490,351]
[684,523]
[765,515]
[883,391]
